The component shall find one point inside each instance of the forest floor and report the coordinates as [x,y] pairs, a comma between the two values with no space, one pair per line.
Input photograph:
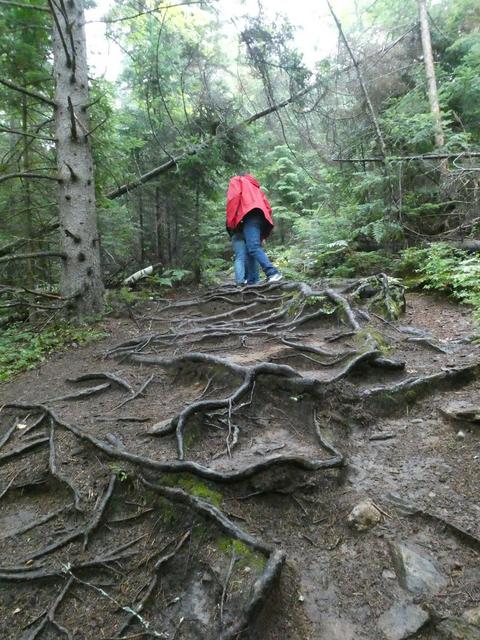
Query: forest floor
[217,499]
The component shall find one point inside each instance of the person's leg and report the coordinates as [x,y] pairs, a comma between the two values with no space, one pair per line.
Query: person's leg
[253,275]
[240,252]
[252,228]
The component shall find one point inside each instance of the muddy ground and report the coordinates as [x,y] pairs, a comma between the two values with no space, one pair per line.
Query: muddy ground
[101,538]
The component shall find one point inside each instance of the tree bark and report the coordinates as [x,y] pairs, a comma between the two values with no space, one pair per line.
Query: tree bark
[81,275]
[430,73]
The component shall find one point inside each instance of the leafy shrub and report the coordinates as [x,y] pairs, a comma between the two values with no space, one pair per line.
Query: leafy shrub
[22,347]
[450,270]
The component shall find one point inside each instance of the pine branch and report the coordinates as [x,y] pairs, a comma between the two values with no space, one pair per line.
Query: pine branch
[37,254]
[26,135]
[8,248]
[22,5]
[28,92]
[42,176]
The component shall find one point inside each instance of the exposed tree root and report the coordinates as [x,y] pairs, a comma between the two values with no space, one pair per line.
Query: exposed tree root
[84,393]
[405,392]
[54,469]
[36,523]
[272,569]
[152,583]
[135,394]
[49,616]
[280,313]
[104,376]
[23,448]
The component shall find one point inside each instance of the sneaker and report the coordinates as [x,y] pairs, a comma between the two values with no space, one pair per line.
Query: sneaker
[276,277]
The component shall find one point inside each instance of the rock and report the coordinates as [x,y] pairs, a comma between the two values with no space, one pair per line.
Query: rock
[462,410]
[415,572]
[363,516]
[402,621]
[472,616]
[457,629]
[460,435]
[388,575]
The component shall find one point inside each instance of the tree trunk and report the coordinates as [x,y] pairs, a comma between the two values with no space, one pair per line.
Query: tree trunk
[197,264]
[141,230]
[81,275]
[430,73]
[29,266]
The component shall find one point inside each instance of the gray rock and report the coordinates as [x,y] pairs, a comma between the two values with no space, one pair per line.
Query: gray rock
[416,572]
[457,629]
[363,516]
[402,621]
[462,410]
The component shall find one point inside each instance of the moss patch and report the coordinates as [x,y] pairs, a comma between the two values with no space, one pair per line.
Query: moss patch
[245,556]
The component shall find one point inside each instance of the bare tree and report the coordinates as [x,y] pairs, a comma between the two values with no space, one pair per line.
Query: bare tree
[430,73]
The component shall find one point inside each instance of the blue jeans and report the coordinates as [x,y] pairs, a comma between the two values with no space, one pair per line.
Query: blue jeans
[245,266]
[252,231]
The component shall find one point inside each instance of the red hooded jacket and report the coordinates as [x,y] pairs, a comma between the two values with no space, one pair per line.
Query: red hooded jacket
[244,195]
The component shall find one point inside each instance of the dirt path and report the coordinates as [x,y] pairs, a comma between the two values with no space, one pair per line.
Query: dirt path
[264,417]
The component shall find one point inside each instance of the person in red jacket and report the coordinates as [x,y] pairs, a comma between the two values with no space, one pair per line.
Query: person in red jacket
[249,213]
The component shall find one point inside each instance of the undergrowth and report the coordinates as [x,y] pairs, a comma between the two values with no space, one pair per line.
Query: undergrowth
[444,268]
[23,347]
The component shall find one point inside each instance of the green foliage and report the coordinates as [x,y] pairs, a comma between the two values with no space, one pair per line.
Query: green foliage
[119,471]
[245,556]
[194,487]
[168,277]
[22,347]
[449,270]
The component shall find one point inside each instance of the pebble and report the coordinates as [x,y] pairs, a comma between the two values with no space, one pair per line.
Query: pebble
[460,435]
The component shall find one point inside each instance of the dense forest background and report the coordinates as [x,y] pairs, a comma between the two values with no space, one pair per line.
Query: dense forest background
[362,175]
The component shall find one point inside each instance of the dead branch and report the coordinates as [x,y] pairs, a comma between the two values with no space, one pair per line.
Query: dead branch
[425,156]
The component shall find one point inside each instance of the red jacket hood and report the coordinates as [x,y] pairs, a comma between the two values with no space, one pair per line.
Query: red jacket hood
[251,179]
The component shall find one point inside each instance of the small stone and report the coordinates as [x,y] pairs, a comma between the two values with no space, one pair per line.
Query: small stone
[417,421]
[388,575]
[460,435]
[301,598]
[363,516]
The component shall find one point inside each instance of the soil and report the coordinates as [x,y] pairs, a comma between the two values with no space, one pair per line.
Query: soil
[125,546]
